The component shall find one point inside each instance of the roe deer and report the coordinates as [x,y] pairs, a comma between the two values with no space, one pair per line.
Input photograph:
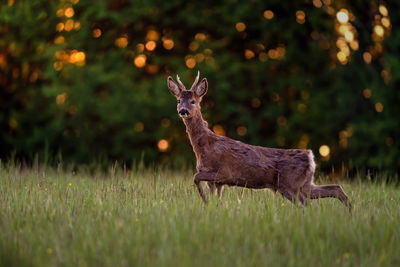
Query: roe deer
[224,161]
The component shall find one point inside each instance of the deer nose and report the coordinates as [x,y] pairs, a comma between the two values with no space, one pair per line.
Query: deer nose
[183,112]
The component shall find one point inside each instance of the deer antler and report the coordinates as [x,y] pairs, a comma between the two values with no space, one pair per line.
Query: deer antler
[180,83]
[196,80]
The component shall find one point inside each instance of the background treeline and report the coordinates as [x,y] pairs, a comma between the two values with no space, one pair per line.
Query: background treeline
[86,80]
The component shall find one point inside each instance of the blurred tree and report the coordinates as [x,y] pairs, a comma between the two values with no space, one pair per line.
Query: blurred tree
[86,80]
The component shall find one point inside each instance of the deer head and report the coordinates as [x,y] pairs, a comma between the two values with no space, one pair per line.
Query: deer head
[188,100]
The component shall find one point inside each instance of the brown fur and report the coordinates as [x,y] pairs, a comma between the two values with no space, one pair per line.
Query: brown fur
[224,161]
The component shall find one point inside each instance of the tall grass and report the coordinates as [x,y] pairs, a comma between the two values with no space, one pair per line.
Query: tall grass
[56,217]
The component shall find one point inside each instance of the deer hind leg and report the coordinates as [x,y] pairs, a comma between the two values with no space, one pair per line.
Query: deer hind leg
[206,177]
[211,186]
[219,190]
[292,196]
[335,191]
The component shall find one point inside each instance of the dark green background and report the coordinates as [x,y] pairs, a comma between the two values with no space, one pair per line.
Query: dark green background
[307,95]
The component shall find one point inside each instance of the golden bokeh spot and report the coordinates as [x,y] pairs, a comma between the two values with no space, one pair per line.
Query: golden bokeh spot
[255,103]
[60,12]
[281,50]
[379,107]
[218,129]
[139,127]
[152,35]
[163,145]
[77,57]
[341,56]
[324,150]
[168,44]
[260,46]
[60,26]
[268,14]
[200,36]
[240,26]
[302,107]
[367,57]
[49,251]
[354,45]
[273,54]
[69,25]
[34,76]
[121,42]
[263,56]
[140,61]
[12,123]
[60,99]
[77,25]
[59,40]
[342,16]
[385,22]
[275,97]
[379,30]
[241,130]
[300,16]
[199,57]
[317,3]
[96,33]
[304,140]
[349,36]
[367,93]
[190,62]
[150,45]
[69,12]
[383,10]
[58,65]
[193,46]
[208,51]
[152,68]
[140,47]
[248,54]
[343,28]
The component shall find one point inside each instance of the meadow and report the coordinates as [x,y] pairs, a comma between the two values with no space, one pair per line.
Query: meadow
[155,217]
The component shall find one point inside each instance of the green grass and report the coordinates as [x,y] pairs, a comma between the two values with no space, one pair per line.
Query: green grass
[52,217]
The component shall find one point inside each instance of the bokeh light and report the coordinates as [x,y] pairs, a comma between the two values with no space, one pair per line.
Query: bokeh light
[268,14]
[218,129]
[96,33]
[342,16]
[240,26]
[324,150]
[140,61]
[163,145]
[300,16]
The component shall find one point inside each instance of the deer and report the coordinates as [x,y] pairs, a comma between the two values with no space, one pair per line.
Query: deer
[221,160]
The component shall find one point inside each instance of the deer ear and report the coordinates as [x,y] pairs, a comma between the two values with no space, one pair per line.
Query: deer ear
[173,87]
[201,89]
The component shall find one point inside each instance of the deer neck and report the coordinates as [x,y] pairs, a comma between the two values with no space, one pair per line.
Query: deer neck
[197,129]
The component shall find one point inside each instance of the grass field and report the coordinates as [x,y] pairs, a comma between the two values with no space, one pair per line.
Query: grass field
[51,217]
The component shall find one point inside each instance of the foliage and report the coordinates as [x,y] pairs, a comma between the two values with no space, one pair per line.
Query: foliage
[53,217]
[85,80]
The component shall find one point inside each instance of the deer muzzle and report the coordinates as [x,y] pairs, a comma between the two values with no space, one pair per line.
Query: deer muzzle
[184,112]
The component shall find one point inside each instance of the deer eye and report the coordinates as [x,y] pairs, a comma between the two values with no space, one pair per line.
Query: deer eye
[192,102]
[179,101]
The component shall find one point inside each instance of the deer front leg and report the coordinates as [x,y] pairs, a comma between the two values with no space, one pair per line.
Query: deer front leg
[203,176]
